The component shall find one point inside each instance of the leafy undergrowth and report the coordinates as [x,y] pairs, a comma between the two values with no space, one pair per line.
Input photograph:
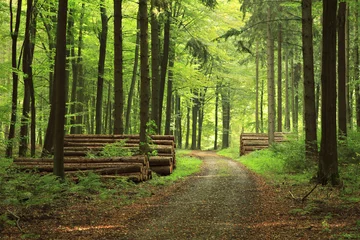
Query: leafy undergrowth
[285,168]
[30,196]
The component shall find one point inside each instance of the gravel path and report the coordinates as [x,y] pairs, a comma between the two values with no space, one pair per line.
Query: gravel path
[218,203]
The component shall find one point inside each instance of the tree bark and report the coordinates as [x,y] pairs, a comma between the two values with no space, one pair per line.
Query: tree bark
[225,100]
[101,66]
[60,64]
[287,94]
[296,80]
[342,70]
[257,125]
[118,69]
[270,76]
[356,66]
[155,64]
[178,121]
[349,89]
[170,88]
[217,116]
[15,76]
[195,110]
[311,150]
[187,128]
[279,82]
[328,164]
[144,75]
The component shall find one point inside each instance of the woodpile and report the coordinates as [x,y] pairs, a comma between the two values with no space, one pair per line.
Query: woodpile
[137,168]
[250,142]
[163,145]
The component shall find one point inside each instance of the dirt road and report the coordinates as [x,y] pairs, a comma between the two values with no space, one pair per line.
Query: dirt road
[221,202]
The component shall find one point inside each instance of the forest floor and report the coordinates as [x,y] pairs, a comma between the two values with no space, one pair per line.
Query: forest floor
[223,201]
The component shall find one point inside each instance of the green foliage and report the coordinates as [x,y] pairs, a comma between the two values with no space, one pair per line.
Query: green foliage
[349,149]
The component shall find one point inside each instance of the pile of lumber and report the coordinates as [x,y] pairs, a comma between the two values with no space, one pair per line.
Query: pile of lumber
[250,142]
[78,145]
[135,168]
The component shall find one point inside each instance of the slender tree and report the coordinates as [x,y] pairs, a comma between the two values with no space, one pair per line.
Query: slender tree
[311,150]
[342,70]
[270,84]
[144,76]
[279,80]
[101,66]
[15,77]
[328,164]
[155,64]
[257,60]
[60,64]
[118,69]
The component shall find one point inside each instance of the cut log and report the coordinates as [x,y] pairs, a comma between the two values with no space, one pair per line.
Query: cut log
[162,170]
[160,161]
[120,168]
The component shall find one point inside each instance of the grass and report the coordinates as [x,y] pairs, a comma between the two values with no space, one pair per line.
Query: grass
[23,190]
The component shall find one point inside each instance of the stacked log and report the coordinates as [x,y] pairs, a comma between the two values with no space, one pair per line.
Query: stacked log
[135,168]
[250,142]
[78,145]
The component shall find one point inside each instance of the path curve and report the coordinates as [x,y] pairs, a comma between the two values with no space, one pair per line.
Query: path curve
[217,203]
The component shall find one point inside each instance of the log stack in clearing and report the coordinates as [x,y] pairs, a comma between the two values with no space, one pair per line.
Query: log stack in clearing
[137,168]
[250,142]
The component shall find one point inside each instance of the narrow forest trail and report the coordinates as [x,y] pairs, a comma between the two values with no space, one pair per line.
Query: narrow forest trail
[221,202]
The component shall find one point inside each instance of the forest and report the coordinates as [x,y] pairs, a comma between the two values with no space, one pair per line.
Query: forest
[198,73]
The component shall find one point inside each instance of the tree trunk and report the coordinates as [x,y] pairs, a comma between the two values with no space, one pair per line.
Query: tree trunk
[178,122]
[342,70]
[225,100]
[349,89]
[155,64]
[195,110]
[217,116]
[279,86]
[169,88]
[356,66]
[257,126]
[144,75]
[133,79]
[118,69]
[60,64]
[101,66]
[311,150]
[201,117]
[287,94]
[15,76]
[296,80]
[328,164]
[164,65]
[270,76]
[187,128]
[262,106]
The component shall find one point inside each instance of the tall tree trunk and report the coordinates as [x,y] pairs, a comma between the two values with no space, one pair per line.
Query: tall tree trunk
[60,64]
[356,66]
[225,101]
[101,66]
[118,69]
[270,85]
[74,73]
[178,121]
[133,79]
[296,79]
[328,164]
[195,110]
[217,116]
[279,82]
[80,89]
[311,150]
[257,126]
[349,89]
[262,106]
[144,75]
[201,116]
[164,65]
[187,128]
[169,88]
[342,70]
[15,76]
[155,64]
[287,94]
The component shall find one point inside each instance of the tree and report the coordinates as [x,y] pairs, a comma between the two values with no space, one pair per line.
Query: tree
[14,36]
[155,64]
[144,76]
[342,70]
[270,76]
[309,85]
[101,66]
[328,164]
[118,69]
[60,63]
